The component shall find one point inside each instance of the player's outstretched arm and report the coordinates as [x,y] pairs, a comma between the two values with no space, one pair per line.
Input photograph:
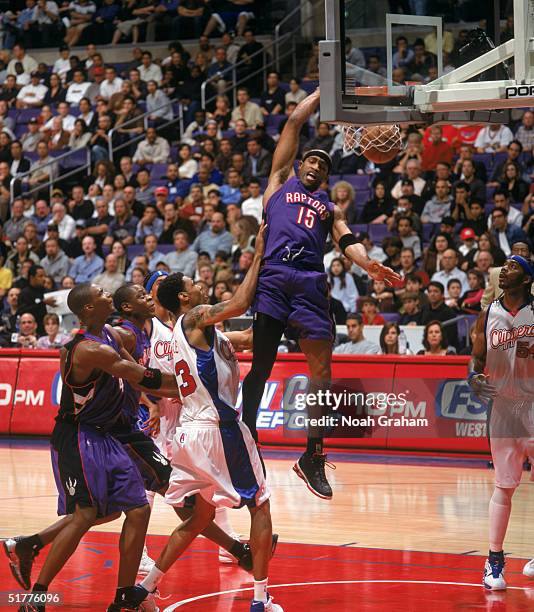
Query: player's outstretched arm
[112,363]
[241,340]
[478,381]
[205,316]
[288,144]
[357,253]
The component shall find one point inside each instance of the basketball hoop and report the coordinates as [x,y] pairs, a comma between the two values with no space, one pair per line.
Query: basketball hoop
[361,140]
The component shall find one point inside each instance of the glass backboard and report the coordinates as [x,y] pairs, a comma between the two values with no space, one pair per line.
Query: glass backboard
[379,66]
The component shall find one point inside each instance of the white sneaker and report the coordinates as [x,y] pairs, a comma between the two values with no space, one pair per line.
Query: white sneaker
[259,606]
[493,578]
[146,563]
[528,570]
[224,555]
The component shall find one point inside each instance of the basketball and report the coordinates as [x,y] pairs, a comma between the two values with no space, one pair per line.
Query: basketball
[374,142]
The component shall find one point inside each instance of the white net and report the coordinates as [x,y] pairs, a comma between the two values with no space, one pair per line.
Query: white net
[383,138]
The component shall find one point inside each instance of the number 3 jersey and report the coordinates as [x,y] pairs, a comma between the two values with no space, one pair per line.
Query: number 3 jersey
[298,224]
[510,350]
[208,380]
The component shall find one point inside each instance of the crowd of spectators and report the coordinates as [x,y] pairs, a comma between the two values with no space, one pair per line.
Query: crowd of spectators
[444,213]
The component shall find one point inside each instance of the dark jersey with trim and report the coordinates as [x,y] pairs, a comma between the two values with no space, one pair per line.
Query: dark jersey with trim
[298,224]
[141,354]
[99,401]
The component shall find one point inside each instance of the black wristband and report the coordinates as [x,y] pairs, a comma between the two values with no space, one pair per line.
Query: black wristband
[345,241]
[151,379]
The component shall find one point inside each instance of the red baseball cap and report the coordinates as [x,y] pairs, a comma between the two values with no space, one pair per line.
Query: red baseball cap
[467,233]
[161,191]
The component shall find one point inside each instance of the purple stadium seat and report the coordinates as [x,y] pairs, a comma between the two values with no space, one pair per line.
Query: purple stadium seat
[489,192]
[263,183]
[333,179]
[158,182]
[358,181]
[174,152]
[77,158]
[134,250]
[488,208]
[362,196]
[20,129]
[358,227]
[485,158]
[274,121]
[309,86]
[391,317]
[228,133]
[25,114]
[378,231]
[166,248]
[158,171]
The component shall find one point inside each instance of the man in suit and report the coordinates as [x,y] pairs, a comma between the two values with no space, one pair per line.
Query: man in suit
[257,160]
[492,290]
[505,233]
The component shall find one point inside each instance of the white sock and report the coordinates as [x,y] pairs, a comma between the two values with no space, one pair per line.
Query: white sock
[260,590]
[222,520]
[500,507]
[152,580]
[150,495]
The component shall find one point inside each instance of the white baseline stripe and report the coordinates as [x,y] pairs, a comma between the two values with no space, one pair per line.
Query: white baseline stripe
[478,585]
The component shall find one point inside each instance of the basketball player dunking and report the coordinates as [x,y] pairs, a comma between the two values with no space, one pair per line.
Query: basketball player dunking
[504,349]
[292,288]
[95,477]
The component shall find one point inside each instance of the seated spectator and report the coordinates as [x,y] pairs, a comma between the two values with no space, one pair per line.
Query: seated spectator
[477,218]
[374,65]
[449,269]
[357,344]
[437,310]
[467,152]
[33,94]
[435,341]
[248,111]
[513,154]
[408,236]
[152,254]
[132,15]
[370,314]
[470,301]
[323,139]
[67,119]
[54,337]
[123,263]
[80,17]
[32,297]
[504,233]
[183,259]
[404,208]
[19,55]
[379,208]
[392,342]
[19,163]
[513,184]
[111,85]
[468,238]
[383,295]
[436,150]
[55,263]
[153,150]
[253,205]
[412,311]
[148,70]
[342,286]
[79,206]
[28,332]
[19,255]
[230,192]
[477,189]
[217,238]
[105,20]
[110,279]
[295,93]
[149,224]
[88,265]
[8,316]
[99,141]
[222,113]
[454,291]
[272,102]
[257,160]
[493,138]
[145,191]
[344,196]
[484,261]
[413,173]
[78,88]
[158,104]
[392,246]
[440,205]
[353,55]
[501,199]
[403,54]
[525,132]
[57,138]
[422,61]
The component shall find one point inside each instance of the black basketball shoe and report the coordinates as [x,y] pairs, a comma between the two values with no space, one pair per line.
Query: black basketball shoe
[138,600]
[310,467]
[246,560]
[21,559]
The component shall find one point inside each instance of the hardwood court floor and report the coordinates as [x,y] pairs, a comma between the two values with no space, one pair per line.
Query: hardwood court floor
[401,534]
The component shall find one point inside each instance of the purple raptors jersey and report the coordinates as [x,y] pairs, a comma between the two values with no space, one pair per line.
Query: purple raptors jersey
[99,401]
[141,354]
[298,224]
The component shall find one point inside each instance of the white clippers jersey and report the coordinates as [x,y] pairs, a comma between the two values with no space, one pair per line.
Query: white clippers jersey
[208,380]
[510,350]
[161,347]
